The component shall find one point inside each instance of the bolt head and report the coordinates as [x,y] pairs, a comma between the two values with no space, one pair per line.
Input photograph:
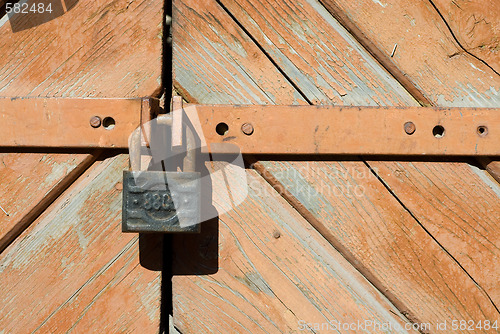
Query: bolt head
[410,128]
[247,129]
[95,121]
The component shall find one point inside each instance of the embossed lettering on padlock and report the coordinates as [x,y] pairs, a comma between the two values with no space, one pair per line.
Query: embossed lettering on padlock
[161,201]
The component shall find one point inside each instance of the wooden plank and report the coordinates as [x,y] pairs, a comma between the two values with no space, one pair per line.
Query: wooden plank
[353,130]
[274,271]
[462,219]
[30,182]
[371,226]
[492,166]
[94,50]
[264,20]
[209,47]
[476,27]
[426,51]
[56,122]
[74,269]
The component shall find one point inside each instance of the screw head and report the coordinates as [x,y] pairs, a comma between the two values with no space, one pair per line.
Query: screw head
[276,234]
[410,128]
[247,129]
[95,121]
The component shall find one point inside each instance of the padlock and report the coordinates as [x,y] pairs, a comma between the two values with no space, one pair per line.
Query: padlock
[162,201]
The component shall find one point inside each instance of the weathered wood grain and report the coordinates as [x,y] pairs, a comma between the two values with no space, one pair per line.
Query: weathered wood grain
[274,270]
[370,223]
[326,64]
[464,220]
[458,69]
[423,306]
[29,183]
[97,49]
[210,48]
[476,26]
[74,269]
[426,50]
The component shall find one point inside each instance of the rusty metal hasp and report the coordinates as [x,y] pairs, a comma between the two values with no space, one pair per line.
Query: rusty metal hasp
[350,130]
[107,123]
[69,123]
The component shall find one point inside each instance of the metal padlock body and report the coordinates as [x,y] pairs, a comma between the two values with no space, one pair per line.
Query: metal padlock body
[164,202]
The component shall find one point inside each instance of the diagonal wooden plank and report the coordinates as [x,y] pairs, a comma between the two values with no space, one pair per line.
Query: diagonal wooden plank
[27,194]
[94,50]
[426,51]
[209,47]
[316,53]
[73,268]
[275,273]
[463,219]
[361,217]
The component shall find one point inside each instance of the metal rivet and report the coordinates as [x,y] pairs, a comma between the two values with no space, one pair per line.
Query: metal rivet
[247,129]
[410,128]
[276,234]
[95,121]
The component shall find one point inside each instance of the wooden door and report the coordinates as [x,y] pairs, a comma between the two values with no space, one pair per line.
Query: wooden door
[337,244]
[345,240]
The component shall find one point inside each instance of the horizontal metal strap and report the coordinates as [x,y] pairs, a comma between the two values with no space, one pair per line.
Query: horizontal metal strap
[68,122]
[350,130]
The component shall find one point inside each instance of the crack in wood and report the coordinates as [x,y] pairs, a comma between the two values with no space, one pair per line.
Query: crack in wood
[458,42]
